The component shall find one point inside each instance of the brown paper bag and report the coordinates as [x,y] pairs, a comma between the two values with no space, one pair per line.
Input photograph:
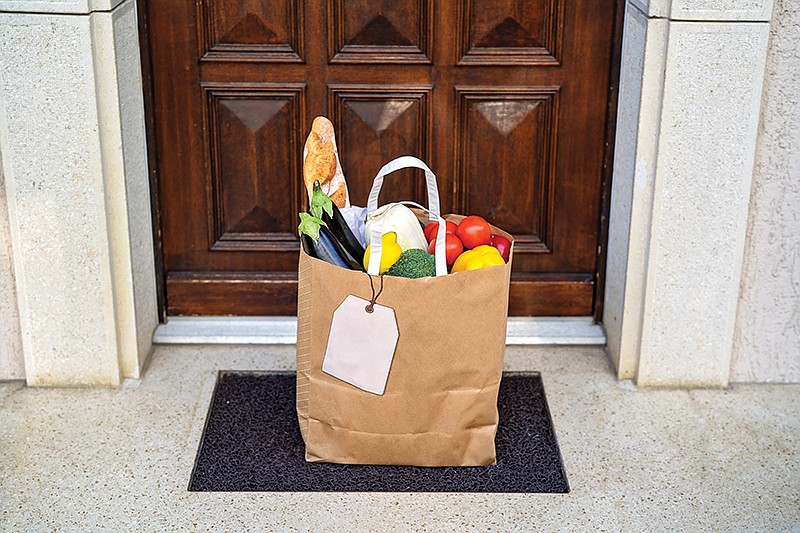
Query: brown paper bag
[439,407]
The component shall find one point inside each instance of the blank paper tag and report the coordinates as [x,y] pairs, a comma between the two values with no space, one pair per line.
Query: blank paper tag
[361,344]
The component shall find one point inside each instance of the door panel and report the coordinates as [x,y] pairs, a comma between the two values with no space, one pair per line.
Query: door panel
[253,204]
[252,30]
[508,32]
[506,133]
[379,32]
[378,123]
[506,100]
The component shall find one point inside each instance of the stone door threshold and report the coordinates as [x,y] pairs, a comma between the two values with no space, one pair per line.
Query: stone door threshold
[532,331]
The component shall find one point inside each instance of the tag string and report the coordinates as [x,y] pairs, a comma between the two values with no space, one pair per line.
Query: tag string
[371,306]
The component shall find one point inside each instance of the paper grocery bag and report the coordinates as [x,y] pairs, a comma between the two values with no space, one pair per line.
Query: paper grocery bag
[439,405]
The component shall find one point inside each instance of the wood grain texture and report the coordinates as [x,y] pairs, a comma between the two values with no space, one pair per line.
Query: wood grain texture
[379,31]
[507,101]
[254,206]
[376,123]
[559,295]
[250,31]
[493,123]
[509,32]
[232,293]
[225,293]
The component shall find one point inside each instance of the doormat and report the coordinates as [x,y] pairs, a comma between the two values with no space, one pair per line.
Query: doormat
[252,442]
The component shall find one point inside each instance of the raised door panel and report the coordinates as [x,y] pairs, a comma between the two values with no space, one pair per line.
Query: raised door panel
[505,160]
[379,31]
[252,30]
[511,32]
[375,125]
[254,140]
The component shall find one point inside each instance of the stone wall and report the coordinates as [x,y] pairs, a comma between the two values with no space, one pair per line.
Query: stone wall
[74,158]
[690,95]
[767,340]
[11,361]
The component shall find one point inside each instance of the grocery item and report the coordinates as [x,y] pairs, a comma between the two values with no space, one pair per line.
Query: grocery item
[327,234]
[413,263]
[474,231]
[453,247]
[330,214]
[321,163]
[323,233]
[390,252]
[319,242]
[503,246]
[402,221]
[480,257]
[431,229]
[433,401]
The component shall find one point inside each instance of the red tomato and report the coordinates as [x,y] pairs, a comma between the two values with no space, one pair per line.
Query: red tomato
[503,246]
[474,231]
[431,229]
[453,248]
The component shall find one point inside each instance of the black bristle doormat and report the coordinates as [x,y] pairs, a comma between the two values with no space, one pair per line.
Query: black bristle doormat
[252,442]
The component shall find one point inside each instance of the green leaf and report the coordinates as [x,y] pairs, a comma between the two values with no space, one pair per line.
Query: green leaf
[309,225]
[319,202]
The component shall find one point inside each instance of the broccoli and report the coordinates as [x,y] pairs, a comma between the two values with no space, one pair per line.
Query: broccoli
[413,263]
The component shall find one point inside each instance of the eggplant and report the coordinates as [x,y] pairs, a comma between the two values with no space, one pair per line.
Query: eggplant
[328,248]
[340,229]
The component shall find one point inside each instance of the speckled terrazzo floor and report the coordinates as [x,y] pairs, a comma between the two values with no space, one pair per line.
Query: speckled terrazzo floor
[637,460]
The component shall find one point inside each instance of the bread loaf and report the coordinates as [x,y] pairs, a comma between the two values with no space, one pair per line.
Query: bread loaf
[321,163]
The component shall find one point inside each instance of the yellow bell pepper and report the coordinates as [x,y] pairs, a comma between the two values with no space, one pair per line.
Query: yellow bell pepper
[390,252]
[478,257]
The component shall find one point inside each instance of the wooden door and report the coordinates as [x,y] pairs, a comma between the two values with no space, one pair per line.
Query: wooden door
[505,99]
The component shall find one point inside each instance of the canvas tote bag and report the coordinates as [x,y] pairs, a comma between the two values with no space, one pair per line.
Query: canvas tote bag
[439,406]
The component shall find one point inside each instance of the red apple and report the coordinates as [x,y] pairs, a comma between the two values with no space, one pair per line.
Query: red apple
[503,246]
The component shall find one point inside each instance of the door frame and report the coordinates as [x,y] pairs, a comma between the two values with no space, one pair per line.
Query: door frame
[148,91]
[608,159]
[606,176]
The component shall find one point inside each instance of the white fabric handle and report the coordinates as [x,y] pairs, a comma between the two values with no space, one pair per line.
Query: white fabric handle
[405,161]
[376,243]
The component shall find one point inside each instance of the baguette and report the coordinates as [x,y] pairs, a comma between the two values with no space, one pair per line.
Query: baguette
[321,163]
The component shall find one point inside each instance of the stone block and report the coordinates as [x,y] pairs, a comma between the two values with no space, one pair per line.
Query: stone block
[706,139]
[126,180]
[72,7]
[721,10]
[12,363]
[636,149]
[68,88]
[54,175]
[707,10]
[138,233]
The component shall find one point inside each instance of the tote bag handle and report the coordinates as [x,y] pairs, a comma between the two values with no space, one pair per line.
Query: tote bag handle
[376,244]
[376,231]
[405,161]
